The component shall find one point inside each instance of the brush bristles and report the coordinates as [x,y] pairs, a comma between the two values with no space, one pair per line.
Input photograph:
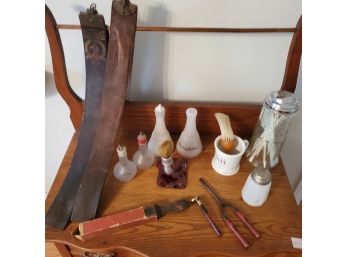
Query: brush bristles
[225,126]
[166,149]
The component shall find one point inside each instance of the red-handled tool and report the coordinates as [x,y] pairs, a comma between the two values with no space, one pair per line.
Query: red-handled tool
[247,224]
[206,214]
[223,206]
[236,232]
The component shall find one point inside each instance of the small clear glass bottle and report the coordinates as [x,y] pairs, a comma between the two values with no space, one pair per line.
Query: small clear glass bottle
[189,144]
[124,170]
[160,133]
[143,158]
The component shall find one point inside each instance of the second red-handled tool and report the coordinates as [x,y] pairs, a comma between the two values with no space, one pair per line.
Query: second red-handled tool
[223,205]
[206,214]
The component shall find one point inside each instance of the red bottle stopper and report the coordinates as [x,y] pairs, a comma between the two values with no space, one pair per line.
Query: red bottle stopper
[142,139]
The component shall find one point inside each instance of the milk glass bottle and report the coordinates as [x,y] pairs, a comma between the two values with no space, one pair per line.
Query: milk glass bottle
[189,144]
[143,158]
[160,133]
[124,170]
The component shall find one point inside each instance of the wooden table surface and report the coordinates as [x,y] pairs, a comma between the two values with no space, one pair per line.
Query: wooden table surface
[187,233]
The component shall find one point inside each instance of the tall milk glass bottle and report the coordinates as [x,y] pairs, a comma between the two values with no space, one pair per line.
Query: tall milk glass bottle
[160,133]
[189,144]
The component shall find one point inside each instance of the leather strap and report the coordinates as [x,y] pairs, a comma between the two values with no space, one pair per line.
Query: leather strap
[95,38]
[117,80]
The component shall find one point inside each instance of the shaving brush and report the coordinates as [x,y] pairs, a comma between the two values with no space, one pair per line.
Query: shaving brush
[166,150]
[227,142]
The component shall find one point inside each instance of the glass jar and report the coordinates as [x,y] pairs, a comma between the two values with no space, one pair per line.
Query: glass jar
[271,129]
[266,143]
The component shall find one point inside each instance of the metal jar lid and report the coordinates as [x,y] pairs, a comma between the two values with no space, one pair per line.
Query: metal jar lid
[282,101]
[261,176]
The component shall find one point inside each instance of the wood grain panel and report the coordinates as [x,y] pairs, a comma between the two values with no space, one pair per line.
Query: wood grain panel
[51,250]
[188,233]
[197,29]
[243,116]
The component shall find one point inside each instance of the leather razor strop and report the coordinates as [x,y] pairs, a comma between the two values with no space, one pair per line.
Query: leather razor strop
[95,38]
[117,80]
[129,218]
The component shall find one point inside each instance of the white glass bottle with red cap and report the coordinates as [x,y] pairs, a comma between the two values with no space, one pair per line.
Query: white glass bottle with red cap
[160,133]
[124,170]
[143,158]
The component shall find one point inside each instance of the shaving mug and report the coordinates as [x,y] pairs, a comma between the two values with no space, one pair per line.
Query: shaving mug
[228,164]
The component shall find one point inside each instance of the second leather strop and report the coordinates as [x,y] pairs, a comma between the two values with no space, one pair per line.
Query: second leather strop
[95,37]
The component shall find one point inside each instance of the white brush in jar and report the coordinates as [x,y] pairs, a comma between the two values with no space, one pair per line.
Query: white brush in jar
[227,142]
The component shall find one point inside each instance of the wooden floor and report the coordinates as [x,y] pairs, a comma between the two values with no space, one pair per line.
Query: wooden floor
[51,250]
